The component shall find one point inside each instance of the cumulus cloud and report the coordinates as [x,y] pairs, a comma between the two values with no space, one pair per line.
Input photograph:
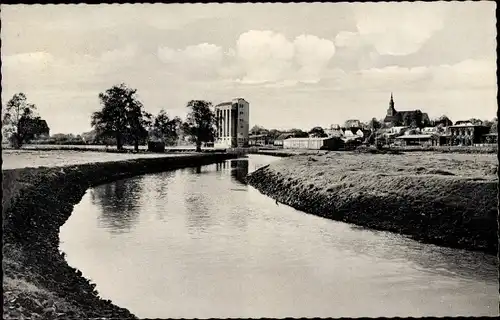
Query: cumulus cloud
[313,55]
[267,56]
[348,39]
[398,28]
[264,56]
[467,74]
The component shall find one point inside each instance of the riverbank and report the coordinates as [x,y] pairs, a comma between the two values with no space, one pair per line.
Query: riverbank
[488,149]
[444,199]
[38,283]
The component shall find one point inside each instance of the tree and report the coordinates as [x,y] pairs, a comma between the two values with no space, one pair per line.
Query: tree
[443,120]
[166,129]
[258,129]
[476,122]
[317,132]
[494,126]
[122,116]
[20,124]
[374,124]
[200,125]
[298,133]
[273,134]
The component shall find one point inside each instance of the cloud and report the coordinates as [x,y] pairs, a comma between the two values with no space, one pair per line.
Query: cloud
[348,39]
[467,74]
[313,55]
[118,56]
[30,60]
[265,56]
[200,61]
[269,57]
[398,28]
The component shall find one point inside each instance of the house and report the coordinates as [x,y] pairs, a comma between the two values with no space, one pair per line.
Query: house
[490,138]
[418,139]
[313,143]
[279,140]
[258,139]
[467,133]
[353,124]
[407,118]
[353,134]
[429,130]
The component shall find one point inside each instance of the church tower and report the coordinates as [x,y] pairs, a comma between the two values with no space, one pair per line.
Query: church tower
[391,111]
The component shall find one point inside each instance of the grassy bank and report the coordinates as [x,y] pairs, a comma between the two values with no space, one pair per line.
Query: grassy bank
[445,199]
[38,283]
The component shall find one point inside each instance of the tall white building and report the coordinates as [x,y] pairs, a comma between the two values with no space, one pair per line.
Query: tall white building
[233,124]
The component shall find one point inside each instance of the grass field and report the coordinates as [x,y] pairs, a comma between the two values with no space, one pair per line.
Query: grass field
[448,198]
[13,159]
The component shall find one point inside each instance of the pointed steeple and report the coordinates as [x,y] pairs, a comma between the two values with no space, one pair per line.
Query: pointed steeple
[391,111]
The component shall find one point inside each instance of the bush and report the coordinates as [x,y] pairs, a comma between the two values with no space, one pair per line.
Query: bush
[156,146]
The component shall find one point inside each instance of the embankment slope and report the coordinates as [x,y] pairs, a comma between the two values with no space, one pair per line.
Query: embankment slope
[38,283]
[445,199]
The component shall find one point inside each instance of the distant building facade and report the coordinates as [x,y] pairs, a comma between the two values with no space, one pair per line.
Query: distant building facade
[258,139]
[353,123]
[405,118]
[332,143]
[233,124]
[467,134]
[281,138]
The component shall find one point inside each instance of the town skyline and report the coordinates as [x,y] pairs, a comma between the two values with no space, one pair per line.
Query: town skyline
[334,63]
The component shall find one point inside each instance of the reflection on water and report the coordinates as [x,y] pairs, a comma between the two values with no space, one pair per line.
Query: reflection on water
[119,202]
[239,171]
[199,242]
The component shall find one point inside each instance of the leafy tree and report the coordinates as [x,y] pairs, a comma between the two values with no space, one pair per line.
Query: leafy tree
[374,124]
[258,130]
[317,132]
[200,125]
[139,125]
[298,133]
[494,126]
[20,124]
[443,120]
[165,128]
[476,122]
[122,116]
[274,133]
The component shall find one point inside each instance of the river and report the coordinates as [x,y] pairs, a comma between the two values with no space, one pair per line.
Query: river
[200,243]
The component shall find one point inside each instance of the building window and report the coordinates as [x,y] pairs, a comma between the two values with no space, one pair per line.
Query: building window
[241,127]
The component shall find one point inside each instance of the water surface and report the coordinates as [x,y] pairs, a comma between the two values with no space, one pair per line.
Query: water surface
[200,243]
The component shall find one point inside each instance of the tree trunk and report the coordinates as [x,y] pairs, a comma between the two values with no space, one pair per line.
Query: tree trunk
[136,145]
[16,141]
[119,143]
[198,146]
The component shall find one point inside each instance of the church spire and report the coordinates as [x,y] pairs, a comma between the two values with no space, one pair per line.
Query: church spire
[391,111]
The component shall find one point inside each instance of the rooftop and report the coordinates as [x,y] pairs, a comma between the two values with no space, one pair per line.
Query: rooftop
[224,104]
[306,139]
[463,125]
[416,136]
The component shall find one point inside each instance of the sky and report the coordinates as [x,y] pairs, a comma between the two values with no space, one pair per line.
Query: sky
[298,65]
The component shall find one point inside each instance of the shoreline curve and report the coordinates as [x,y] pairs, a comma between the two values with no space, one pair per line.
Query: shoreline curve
[38,282]
[430,206]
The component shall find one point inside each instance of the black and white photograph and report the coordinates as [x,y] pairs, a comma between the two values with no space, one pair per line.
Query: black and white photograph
[249,160]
